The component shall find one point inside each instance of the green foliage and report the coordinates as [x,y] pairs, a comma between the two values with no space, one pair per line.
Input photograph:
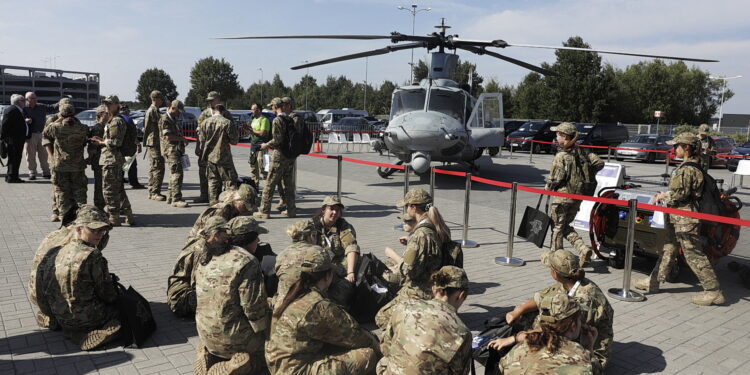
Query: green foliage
[210,74]
[508,92]
[685,128]
[155,79]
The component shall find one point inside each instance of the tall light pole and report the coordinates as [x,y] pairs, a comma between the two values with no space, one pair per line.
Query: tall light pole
[261,86]
[413,12]
[723,90]
[307,75]
[365,104]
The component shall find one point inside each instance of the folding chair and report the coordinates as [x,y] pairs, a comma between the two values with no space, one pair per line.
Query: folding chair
[333,138]
[366,141]
[743,169]
[356,139]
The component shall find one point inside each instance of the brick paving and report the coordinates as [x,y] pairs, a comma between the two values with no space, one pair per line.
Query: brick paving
[665,334]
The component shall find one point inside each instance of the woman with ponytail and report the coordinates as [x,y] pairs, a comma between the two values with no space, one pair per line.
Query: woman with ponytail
[310,334]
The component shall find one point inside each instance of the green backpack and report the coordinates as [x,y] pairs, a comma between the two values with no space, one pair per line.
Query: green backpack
[583,176]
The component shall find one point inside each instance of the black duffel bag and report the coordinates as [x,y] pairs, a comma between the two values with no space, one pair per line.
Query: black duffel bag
[267,259]
[135,316]
[495,328]
[371,292]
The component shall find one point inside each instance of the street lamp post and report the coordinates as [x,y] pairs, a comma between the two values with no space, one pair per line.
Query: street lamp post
[365,100]
[413,12]
[723,90]
[261,86]
[307,75]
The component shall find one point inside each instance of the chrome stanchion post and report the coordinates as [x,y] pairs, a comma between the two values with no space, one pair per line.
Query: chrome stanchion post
[625,294]
[511,151]
[531,152]
[296,195]
[609,153]
[508,260]
[465,242]
[339,161]
[406,190]
[432,183]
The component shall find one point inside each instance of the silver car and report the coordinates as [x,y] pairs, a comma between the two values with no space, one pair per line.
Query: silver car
[644,142]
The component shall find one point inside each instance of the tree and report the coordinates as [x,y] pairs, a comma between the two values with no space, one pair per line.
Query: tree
[508,92]
[155,79]
[531,99]
[210,74]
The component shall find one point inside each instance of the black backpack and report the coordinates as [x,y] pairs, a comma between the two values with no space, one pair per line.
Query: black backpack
[129,146]
[494,328]
[299,138]
[710,202]
[453,254]
[371,292]
[135,316]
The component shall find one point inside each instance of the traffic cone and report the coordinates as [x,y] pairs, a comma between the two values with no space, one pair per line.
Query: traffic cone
[317,149]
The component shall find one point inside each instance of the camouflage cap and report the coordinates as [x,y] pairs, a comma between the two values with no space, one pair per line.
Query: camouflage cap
[557,307]
[213,95]
[415,196]
[332,200]
[101,109]
[565,128]
[64,100]
[315,259]
[91,217]
[274,102]
[67,110]
[111,99]
[454,277]
[177,104]
[245,224]
[156,94]
[286,100]
[562,261]
[685,138]
[215,223]
[301,229]
[704,129]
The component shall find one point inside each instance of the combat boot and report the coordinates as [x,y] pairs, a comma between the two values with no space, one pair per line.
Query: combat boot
[45,321]
[238,364]
[99,337]
[585,258]
[708,298]
[203,360]
[281,207]
[649,284]
[288,214]
[54,218]
[114,220]
[157,197]
[180,204]
[200,200]
[261,215]
[169,200]
[129,219]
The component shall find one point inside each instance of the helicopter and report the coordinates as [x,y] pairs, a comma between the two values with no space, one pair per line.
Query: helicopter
[436,119]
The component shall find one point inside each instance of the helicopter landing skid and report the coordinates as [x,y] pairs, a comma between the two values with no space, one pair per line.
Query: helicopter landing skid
[387,172]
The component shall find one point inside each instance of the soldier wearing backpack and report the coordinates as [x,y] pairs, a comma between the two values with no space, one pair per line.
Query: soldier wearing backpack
[573,172]
[686,189]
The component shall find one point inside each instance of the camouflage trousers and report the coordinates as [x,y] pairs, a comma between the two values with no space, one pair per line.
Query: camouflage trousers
[562,214]
[220,177]
[55,205]
[203,178]
[281,175]
[156,171]
[687,237]
[355,361]
[70,189]
[98,195]
[174,162]
[256,165]
[115,198]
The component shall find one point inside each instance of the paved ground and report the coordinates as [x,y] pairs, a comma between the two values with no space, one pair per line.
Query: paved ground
[665,334]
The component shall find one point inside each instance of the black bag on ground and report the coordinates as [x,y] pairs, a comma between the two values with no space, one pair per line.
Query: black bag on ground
[267,259]
[371,292]
[495,328]
[535,224]
[135,316]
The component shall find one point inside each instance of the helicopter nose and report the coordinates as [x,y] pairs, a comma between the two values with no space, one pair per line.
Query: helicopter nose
[420,162]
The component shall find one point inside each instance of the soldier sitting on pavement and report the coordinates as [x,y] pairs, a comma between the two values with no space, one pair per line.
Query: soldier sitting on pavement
[172,145]
[232,316]
[553,348]
[312,335]
[233,203]
[80,290]
[685,190]
[428,337]
[595,308]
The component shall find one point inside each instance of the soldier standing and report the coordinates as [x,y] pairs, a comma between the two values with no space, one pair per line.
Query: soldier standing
[112,161]
[281,169]
[410,338]
[65,141]
[685,190]
[172,145]
[95,152]
[708,146]
[55,210]
[566,176]
[152,140]
[216,134]
[261,132]
[213,98]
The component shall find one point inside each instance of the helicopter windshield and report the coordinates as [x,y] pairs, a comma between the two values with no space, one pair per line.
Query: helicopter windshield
[407,101]
[451,103]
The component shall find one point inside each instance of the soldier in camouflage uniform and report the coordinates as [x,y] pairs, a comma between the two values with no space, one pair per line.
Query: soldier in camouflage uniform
[95,152]
[65,141]
[685,190]
[312,335]
[428,337]
[152,140]
[112,162]
[213,99]
[565,177]
[80,290]
[173,148]
[55,210]
[708,146]
[216,134]
[541,353]
[595,308]
[234,203]
[232,316]
[289,261]
[280,171]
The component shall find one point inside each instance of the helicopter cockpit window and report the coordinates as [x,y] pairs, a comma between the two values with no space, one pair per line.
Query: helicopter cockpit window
[407,101]
[448,102]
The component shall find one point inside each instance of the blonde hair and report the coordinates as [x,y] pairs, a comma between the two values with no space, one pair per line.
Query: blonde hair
[443,232]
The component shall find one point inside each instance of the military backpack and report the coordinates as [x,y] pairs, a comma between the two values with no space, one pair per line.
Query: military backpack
[583,176]
[299,138]
[710,202]
[129,146]
[453,254]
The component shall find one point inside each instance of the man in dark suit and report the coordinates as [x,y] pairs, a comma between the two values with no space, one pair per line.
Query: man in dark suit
[14,132]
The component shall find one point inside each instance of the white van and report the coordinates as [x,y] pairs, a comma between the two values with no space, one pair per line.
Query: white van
[328,117]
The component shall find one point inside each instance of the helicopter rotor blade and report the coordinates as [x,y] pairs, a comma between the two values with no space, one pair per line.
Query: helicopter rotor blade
[482,51]
[611,52]
[375,52]
[355,37]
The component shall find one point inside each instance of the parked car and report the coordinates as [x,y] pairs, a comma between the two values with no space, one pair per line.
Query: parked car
[742,150]
[644,142]
[187,122]
[509,126]
[87,117]
[521,139]
[601,134]
[722,148]
[351,124]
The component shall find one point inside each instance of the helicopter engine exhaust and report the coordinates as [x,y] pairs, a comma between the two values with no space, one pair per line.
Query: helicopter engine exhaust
[420,162]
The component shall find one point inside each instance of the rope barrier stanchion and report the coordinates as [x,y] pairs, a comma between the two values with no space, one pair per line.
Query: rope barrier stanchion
[508,260]
[432,183]
[609,154]
[296,195]
[511,151]
[339,161]
[531,152]
[406,190]
[625,294]
[465,242]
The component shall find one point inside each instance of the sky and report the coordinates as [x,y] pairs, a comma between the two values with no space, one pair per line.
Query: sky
[121,39]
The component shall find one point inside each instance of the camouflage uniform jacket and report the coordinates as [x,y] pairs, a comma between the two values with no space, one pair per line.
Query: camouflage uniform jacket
[597,312]
[340,239]
[224,210]
[114,135]
[422,257]
[278,138]
[68,139]
[571,358]
[287,267]
[151,132]
[181,284]
[425,337]
[563,167]
[311,328]
[232,312]
[216,134]
[46,252]
[685,191]
[165,127]
[208,112]
[93,150]
[82,287]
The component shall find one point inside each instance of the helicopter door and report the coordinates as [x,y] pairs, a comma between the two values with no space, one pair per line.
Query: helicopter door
[486,121]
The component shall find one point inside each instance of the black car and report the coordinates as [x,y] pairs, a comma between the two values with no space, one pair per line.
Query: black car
[742,150]
[601,134]
[522,138]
